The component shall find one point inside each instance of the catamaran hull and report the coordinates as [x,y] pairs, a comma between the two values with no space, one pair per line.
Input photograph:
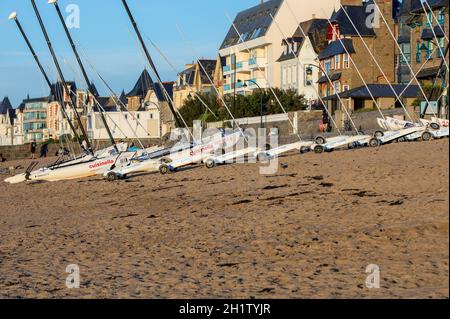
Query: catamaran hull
[178,159]
[79,170]
[340,141]
[391,136]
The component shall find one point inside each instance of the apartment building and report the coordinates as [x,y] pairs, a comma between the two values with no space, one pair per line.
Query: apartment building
[250,56]
[35,118]
[8,123]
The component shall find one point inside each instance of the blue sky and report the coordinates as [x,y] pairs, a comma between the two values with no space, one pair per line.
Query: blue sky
[106,36]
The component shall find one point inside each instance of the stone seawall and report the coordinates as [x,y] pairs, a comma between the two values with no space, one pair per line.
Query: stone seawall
[23,151]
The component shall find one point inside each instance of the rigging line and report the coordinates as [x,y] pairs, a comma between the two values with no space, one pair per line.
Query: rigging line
[59,95]
[116,100]
[265,77]
[436,19]
[378,65]
[60,99]
[179,73]
[101,108]
[350,58]
[434,34]
[356,67]
[412,78]
[163,89]
[84,54]
[402,53]
[297,57]
[69,144]
[189,44]
[326,75]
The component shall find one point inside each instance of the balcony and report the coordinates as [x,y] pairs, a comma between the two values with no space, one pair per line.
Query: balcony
[241,66]
[257,63]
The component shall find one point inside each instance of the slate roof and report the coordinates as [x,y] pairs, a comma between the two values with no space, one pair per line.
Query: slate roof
[408,5]
[210,67]
[428,72]
[123,98]
[12,115]
[44,99]
[57,91]
[315,29]
[142,86]
[434,4]
[5,106]
[337,47]
[188,74]
[252,23]
[358,16]
[439,31]
[333,77]
[168,86]
[107,104]
[379,90]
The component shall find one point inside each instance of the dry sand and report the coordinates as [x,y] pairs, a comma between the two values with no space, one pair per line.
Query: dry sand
[309,231]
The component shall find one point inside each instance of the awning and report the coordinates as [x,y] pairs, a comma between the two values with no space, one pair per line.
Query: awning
[337,47]
[333,77]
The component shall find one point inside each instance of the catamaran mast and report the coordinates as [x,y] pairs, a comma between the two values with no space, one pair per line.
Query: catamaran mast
[150,61]
[13,16]
[64,83]
[91,88]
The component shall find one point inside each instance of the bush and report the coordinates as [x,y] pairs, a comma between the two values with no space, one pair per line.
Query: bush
[241,106]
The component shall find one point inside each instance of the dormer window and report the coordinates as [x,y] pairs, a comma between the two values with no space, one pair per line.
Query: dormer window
[333,32]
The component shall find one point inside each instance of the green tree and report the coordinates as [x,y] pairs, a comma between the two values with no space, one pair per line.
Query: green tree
[244,106]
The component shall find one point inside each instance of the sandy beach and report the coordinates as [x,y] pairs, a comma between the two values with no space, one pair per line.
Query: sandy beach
[308,231]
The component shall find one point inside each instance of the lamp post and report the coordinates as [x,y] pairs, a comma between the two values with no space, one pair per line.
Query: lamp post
[261,106]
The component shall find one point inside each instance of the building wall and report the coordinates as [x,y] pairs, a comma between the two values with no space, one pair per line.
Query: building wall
[418,57]
[293,73]
[34,121]
[143,124]
[260,64]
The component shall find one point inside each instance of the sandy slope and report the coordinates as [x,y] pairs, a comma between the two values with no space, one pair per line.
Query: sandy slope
[307,232]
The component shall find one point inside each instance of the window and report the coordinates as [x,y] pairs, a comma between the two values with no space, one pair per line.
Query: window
[346,61]
[345,88]
[284,74]
[337,62]
[441,17]
[441,45]
[289,75]
[429,19]
[308,75]
[336,87]
[418,52]
[406,49]
[430,47]
[328,66]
